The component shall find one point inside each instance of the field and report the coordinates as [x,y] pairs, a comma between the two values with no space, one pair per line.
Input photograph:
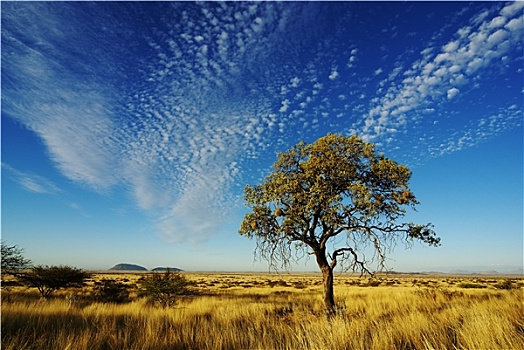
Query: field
[275,311]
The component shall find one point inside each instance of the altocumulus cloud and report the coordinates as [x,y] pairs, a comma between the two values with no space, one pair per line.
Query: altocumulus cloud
[442,71]
[173,140]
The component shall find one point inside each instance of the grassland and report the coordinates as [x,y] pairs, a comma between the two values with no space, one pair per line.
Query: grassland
[269,311]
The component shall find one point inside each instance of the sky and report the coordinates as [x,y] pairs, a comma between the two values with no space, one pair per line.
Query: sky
[129,130]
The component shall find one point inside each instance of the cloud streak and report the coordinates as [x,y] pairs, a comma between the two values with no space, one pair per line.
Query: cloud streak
[31,182]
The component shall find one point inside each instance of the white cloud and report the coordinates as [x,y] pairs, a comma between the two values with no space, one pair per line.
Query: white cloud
[31,182]
[479,131]
[512,9]
[516,25]
[284,107]
[497,37]
[497,22]
[434,75]
[452,46]
[334,74]
[452,93]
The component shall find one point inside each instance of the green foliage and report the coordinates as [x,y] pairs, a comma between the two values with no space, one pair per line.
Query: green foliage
[110,291]
[48,279]
[164,288]
[13,259]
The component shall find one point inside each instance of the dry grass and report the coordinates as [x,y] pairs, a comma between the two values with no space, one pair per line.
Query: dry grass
[255,311]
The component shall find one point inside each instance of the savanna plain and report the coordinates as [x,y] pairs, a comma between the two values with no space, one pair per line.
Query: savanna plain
[274,311]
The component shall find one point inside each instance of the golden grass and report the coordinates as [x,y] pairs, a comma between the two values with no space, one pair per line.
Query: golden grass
[254,311]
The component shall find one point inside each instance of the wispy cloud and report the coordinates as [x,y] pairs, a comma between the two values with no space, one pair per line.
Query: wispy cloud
[31,182]
[478,131]
[78,208]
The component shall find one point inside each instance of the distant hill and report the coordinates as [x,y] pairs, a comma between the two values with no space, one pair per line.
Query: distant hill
[486,272]
[162,269]
[128,267]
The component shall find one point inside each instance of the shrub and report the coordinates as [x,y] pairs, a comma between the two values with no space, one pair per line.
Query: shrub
[48,279]
[506,284]
[164,288]
[372,283]
[110,291]
[470,285]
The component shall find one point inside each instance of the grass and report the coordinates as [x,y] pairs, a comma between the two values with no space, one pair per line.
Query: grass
[255,311]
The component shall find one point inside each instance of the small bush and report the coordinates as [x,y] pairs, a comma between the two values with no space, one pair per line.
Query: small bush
[506,284]
[470,285]
[372,283]
[109,291]
[282,283]
[299,285]
[164,288]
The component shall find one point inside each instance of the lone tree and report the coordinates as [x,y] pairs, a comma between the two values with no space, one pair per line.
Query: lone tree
[333,199]
[13,259]
[48,279]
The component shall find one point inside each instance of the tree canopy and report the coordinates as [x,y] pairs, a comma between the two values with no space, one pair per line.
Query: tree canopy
[48,279]
[13,258]
[318,192]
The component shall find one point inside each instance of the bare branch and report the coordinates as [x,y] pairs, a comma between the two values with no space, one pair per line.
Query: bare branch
[356,261]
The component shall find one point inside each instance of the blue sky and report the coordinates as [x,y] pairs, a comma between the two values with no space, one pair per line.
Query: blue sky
[129,130]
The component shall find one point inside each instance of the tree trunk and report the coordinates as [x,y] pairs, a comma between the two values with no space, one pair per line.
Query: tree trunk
[327,283]
[328,295]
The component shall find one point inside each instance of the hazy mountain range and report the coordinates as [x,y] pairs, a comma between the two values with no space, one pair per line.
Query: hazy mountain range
[134,267]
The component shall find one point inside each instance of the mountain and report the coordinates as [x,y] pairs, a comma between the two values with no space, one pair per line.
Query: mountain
[486,272]
[162,269]
[128,267]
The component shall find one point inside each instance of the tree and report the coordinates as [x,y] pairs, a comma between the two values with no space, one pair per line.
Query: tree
[13,259]
[334,199]
[48,279]
[165,287]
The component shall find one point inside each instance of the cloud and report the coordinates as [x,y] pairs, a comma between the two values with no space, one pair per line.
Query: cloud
[78,208]
[284,107]
[474,48]
[334,74]
[476,132]
[31,182]
[452,93]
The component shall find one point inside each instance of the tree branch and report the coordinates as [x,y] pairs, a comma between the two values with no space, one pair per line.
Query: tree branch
[356,261]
